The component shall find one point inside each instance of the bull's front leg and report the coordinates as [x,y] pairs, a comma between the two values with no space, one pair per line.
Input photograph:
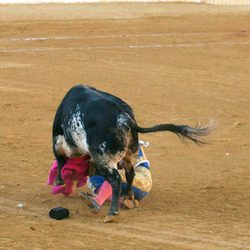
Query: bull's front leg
[60,158]
[60,163]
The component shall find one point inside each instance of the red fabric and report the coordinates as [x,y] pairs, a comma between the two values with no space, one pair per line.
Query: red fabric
[75,169]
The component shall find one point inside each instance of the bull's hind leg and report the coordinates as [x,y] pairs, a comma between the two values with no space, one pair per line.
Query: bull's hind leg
[115,181]
[128,163]
[112,175]
[128,198]
[130,174]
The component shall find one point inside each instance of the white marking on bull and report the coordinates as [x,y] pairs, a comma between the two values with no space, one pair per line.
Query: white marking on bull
[122,120]
[103,146]
[111,161]
[62,147]
[77,131]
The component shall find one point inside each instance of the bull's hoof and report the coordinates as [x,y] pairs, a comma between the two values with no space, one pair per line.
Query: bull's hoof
[110,218]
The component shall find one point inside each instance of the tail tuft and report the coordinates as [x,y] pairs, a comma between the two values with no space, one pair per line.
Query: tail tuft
[183,131]
[197,133]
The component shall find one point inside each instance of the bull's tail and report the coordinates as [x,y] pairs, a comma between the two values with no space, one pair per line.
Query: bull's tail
[183,131]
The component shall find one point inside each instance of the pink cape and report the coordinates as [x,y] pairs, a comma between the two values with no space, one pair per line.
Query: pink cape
[75,169]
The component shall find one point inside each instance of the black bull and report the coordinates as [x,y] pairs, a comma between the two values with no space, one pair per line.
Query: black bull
[89,121]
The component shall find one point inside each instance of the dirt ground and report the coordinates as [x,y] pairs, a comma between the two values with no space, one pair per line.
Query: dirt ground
[178,63]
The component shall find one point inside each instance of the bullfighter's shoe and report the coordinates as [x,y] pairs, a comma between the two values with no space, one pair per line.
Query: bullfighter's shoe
[91,202]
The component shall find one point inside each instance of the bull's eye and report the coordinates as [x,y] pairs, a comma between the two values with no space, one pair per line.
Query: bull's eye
[78,124]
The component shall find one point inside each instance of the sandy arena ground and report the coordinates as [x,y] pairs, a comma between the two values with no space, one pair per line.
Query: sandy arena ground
[172,63]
